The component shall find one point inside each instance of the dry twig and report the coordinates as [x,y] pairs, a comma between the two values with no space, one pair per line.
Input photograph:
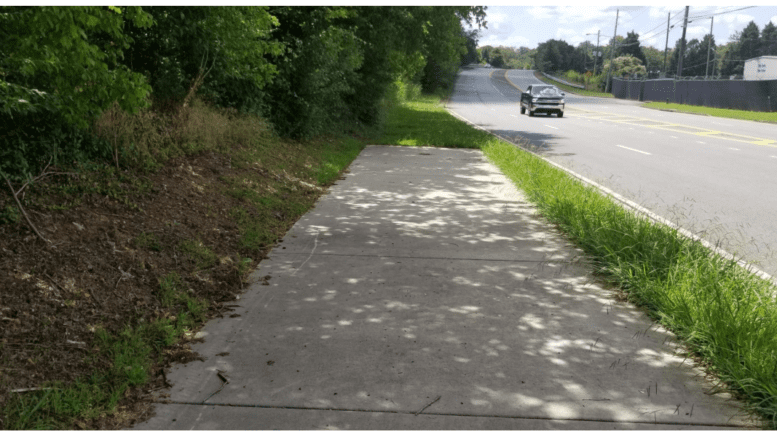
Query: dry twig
[21,208]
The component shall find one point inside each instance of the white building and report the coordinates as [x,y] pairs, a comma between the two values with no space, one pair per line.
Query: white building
[761,68]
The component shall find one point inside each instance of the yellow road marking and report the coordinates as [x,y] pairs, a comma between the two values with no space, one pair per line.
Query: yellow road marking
[511,82]
[678,128]
[595,115]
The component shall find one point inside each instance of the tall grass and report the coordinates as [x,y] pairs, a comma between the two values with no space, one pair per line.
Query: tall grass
[725,314]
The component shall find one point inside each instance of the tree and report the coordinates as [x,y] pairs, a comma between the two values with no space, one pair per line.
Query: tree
[554,55]
[235,42]
[769,40]
[746,45]
[630,46]
[654,59]
[471,57]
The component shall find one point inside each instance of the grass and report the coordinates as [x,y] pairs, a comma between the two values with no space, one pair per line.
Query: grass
[770,117]
[423,122]
[726,315]
[571,89]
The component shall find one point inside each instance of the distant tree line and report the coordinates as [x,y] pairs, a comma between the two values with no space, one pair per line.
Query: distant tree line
[559,56]
[305,69]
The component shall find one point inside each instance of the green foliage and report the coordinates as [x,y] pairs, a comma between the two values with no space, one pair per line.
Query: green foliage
[631,47]
[201,254]
[626,65]
[9,215]
[232,42]
[745,45]
[66,59]
[58,70]
[148,241]
[554,55]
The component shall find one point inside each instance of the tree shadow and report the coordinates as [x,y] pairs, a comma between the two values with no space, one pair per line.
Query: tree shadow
[425,283]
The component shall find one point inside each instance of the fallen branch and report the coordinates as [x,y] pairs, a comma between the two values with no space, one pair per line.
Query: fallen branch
[21,208]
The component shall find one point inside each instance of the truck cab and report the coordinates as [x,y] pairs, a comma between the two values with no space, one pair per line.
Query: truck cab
[542,98]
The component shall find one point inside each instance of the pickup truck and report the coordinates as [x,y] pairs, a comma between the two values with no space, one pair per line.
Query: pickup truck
[542,98]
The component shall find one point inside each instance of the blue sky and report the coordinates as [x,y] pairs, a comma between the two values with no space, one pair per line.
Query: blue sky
[529,25]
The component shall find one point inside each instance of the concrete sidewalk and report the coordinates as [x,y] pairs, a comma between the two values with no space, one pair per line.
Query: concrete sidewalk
[423,292]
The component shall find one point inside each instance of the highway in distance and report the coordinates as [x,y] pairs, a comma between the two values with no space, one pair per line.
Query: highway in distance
[715,177]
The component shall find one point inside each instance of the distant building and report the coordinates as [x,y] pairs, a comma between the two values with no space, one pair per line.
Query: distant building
[761,68]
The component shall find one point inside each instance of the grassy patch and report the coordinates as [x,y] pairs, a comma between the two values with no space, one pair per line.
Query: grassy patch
[725,314]
[201,254]
[424,122]
[571,89]
[770,117]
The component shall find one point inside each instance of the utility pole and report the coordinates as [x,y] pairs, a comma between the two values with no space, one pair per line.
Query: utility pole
[596,54]
[682,44]
[612,51]
[666,48]
[709,47]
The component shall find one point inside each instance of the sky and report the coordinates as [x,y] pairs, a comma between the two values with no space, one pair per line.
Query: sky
[530,25]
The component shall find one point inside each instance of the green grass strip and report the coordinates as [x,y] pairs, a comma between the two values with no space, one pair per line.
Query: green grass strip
[725,314]
[770,117]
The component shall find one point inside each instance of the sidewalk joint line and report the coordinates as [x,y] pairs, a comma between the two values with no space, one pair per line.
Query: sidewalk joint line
[431,257]
[412,413]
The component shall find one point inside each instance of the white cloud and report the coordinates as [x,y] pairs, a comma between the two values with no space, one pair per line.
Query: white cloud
[774,20]
[697,32]
[578,14]
[540,12]
[496,19]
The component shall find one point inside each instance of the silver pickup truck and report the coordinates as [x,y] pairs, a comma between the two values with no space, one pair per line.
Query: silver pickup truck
[542,98]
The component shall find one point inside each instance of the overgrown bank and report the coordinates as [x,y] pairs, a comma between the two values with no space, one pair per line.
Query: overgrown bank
[726,315]
[137,258]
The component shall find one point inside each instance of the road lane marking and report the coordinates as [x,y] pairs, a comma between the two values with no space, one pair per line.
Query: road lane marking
[701,142]
[676,127]
[513,115]
[672,136]
[551,126]
[633,150]
[732,148]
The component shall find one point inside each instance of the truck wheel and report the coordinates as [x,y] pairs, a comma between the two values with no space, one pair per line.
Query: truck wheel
[560,114]
[523,110]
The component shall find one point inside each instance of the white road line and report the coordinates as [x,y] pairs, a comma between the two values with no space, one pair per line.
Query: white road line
[512,115]
[551,126]
[633,150]
[732,148]
[701,142]
[672,136]
[772,156]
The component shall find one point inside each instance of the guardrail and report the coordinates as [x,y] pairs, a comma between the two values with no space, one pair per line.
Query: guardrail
[563,81]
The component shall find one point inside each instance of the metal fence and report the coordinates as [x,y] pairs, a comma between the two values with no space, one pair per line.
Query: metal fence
[749,95]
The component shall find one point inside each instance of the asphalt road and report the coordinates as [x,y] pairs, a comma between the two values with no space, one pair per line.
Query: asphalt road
[715,177]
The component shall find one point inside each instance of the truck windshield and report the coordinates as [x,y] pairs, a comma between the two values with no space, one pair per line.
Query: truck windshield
[546,91]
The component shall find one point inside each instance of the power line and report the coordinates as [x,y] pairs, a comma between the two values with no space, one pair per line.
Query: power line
[705,16]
